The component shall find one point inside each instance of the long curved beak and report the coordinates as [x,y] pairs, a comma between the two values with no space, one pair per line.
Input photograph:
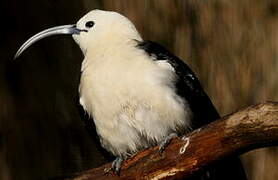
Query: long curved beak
[65,29]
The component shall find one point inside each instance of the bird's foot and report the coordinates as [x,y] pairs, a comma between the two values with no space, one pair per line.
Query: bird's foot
[166,141]
[116,166]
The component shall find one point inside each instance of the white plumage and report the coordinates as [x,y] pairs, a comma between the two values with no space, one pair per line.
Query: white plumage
[131,98]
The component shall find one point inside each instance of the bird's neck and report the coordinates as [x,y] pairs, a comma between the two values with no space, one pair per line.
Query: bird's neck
[105,51]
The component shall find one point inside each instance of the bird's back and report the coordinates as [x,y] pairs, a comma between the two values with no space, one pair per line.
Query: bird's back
[188,87]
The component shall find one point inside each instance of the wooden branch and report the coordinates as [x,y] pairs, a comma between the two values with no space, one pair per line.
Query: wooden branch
[250,128]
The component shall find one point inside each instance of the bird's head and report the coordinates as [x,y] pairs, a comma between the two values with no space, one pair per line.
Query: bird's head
[92,31]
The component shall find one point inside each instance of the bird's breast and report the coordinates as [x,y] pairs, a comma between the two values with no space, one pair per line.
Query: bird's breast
[130,98]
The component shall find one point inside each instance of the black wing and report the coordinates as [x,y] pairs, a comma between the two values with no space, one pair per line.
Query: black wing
[189,87]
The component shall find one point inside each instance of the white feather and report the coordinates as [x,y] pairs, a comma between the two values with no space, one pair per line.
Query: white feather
[131,98]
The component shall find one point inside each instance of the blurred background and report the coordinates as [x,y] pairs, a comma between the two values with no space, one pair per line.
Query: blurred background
[231,45]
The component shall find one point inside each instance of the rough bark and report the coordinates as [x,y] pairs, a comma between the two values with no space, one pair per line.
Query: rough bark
[245,130]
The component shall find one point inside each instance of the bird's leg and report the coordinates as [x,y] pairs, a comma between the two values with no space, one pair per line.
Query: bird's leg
[166,141]
[116,165]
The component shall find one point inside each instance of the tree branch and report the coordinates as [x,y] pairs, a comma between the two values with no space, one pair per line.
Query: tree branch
[245,130]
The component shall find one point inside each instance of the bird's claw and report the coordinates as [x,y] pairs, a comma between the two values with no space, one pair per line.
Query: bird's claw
[115,167]
[165,142]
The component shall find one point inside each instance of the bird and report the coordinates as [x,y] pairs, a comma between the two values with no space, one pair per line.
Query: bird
[137,92]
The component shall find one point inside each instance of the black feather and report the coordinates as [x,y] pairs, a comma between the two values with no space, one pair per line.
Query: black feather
[187,85]
[204,112]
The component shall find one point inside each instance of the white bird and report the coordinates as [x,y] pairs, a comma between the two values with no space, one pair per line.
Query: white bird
[137,92]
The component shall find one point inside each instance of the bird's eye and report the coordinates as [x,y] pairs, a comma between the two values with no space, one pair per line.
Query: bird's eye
[89,24]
